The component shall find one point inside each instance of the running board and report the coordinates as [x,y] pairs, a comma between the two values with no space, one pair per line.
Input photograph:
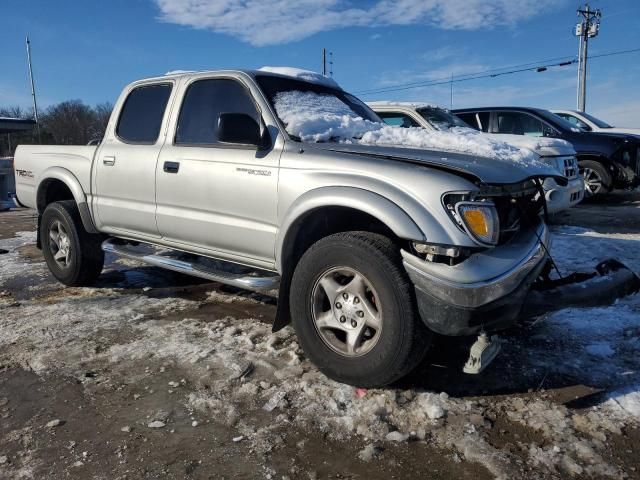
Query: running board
[254,280]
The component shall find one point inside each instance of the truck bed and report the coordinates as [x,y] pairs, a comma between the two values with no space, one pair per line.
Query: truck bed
[32,161]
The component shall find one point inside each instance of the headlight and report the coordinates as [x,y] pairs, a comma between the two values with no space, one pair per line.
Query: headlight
[480,220]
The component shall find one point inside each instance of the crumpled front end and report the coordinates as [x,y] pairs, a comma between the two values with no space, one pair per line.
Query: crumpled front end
[484,292]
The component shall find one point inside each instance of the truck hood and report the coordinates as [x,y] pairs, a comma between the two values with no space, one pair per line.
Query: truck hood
[542,146]
[490,171]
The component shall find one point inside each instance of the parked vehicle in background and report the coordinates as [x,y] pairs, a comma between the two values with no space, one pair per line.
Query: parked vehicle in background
[7,183]
[606,160]
[278,177]
[556,153]
[589,123]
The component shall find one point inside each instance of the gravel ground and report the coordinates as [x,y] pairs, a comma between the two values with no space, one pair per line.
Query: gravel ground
[156,375]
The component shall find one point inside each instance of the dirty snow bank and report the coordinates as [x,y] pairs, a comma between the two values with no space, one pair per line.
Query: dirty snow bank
[315,117]
[596,346]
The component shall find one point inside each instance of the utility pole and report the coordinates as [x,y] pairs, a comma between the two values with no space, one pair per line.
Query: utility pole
[588,27]
[324,62]
[33,90]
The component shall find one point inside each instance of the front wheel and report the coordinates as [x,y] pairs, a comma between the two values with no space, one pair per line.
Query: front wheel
[597,178]
[73,255]
[354,312]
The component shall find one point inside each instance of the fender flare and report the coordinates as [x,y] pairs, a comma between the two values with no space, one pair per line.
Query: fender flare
[72,183]
[385,210]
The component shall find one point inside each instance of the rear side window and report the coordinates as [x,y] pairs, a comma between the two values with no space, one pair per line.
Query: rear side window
[396,119]
[142,113]
[203,103]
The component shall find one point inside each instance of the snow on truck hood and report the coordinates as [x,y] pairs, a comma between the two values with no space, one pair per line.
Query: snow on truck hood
[332,125]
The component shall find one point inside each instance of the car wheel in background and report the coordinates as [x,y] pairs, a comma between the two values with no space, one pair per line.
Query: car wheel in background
[597,179]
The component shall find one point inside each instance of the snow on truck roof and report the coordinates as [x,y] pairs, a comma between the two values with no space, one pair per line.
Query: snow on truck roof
[291,72]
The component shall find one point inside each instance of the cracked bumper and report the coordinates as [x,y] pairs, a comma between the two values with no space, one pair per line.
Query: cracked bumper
[486,291]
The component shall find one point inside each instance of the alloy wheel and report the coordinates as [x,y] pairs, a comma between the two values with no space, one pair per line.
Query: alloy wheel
[346,311]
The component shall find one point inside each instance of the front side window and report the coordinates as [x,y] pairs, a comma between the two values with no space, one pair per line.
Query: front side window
[517,123]
[142,113]
[396,119]
[203,103]
[469,118]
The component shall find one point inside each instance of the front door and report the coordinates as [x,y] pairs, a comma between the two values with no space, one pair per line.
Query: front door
[125,171]
[217,197]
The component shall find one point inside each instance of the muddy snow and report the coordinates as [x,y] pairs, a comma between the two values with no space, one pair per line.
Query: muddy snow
[561,400]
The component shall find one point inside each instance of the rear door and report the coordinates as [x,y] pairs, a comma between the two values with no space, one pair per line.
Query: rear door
[216,197]
[125,169]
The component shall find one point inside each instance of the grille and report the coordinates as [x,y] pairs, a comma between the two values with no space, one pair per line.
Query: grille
[570,167]
[638,161]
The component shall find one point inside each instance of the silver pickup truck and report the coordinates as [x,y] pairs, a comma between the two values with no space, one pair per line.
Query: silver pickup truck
[271,179]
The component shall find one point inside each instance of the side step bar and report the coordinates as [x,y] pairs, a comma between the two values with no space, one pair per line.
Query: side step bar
[257,281]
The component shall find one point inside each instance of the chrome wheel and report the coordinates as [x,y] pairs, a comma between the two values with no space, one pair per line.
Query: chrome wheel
[60,244]
[346,311]
[592,181]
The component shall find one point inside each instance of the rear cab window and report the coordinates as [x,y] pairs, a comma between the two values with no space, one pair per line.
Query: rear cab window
[142,114]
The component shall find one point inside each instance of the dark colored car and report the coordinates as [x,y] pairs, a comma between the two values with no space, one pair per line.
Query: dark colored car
[606,160]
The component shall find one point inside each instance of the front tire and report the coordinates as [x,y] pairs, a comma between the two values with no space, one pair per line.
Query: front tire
[597,179]
[354,310]
[74,256]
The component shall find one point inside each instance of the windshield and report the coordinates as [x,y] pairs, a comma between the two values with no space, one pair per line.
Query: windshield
[441,119]
[317,113]
[595,120]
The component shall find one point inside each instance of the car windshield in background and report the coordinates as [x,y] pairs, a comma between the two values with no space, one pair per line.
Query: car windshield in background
[309,110]
[595,120]
[441,119]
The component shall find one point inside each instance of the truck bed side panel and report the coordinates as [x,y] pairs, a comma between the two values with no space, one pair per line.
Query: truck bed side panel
[33,162]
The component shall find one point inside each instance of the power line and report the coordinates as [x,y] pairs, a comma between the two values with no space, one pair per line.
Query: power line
[497,72]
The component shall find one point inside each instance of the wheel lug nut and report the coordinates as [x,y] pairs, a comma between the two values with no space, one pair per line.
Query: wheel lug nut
[356,300]
[345,295]
[360,313]
[338,305]
[343,319]
[354,324]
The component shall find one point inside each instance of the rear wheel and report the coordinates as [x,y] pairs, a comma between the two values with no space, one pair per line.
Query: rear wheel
[73,255]
[354,312]
[597,178]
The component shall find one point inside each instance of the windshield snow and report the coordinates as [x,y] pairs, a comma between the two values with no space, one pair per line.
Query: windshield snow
[313,113]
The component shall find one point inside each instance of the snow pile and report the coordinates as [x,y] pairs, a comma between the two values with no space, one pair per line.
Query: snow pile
[314,117]
[300,74]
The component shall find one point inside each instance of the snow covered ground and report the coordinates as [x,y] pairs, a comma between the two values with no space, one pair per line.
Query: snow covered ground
[240,372]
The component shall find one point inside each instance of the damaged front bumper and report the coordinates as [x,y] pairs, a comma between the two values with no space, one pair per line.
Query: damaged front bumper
[484,292]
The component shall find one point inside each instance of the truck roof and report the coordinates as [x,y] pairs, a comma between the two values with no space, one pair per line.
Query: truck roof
[286,72]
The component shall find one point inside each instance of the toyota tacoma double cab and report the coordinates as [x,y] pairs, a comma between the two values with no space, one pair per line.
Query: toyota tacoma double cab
[279,179]
[555,152]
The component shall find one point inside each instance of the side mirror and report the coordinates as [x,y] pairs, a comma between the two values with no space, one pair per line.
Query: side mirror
[240,129]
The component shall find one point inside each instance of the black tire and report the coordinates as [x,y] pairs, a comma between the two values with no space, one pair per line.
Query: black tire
[85,258]
[598,174]
[403,339]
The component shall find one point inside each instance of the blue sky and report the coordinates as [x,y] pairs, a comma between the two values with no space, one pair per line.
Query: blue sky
[89,50]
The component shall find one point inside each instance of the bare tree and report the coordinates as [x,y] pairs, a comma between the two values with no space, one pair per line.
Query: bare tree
[69,123]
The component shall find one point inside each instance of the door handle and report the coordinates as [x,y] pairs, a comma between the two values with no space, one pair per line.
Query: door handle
[109,161]
[171,167]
